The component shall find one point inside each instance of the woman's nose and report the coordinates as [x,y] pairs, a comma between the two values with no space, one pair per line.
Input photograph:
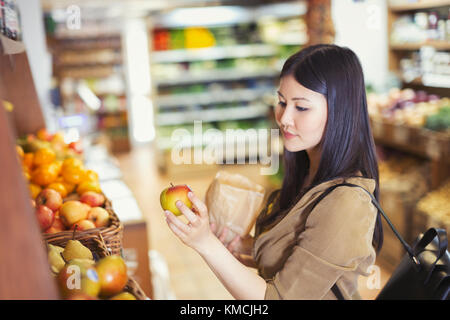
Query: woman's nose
[287,119]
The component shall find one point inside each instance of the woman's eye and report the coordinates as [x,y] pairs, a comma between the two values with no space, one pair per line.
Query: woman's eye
[301,109]
[282,104]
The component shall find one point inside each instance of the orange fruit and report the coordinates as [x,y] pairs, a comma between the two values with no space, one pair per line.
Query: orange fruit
[34,190]
[71,163]
[58,137]
[28,159]
[70,187]
[43,134]
[45,174]
[43,156]
[90,175]
[27,175]
[58,187]
[74,175]
[88,186]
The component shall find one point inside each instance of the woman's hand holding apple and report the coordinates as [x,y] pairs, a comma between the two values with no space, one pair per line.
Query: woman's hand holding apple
[197,233]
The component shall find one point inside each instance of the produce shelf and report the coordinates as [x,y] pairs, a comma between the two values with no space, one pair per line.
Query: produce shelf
[214,53]
[438,45]
[235,113]
[215,75]
[420,141]
[206,98]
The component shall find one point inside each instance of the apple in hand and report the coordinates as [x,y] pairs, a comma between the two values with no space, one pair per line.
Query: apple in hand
[99,216]
[171,195]
[84,225]
[73,211]
[45,217]
[49,198]
[92,198]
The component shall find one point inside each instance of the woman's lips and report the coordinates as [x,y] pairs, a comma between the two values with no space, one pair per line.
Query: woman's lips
[288,135]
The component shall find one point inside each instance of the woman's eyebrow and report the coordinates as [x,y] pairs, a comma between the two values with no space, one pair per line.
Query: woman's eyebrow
[297,98]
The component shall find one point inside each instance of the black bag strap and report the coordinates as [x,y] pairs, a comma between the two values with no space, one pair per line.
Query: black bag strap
[337,292]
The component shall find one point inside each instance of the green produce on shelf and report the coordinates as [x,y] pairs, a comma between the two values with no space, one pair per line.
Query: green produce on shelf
[439,121]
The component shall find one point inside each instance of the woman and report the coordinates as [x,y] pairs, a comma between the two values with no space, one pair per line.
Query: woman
[301,253]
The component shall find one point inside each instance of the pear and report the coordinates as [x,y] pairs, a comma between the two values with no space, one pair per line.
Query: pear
[79,276]
[55,259]
[76,250]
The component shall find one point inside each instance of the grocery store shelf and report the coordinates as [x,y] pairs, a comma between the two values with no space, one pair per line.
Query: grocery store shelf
[415,140]
[206,98]
[234,113]
[228,15]
[438,45]
[216,75]
[214,53]
[419,5]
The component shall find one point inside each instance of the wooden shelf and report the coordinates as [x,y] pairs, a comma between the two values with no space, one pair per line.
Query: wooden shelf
[438,45]
[419,5]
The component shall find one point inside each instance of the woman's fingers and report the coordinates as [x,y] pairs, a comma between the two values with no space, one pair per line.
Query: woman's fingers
[233,244]
[223,235]
[192,217]
[172,219]
[180,234]
[198,204]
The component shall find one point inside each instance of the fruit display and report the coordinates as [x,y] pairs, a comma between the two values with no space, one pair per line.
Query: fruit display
[82,275]
[49,163]
[409,107]
[435,204]
[56,215]
[171,195]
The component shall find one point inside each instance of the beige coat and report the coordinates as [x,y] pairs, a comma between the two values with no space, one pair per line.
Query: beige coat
[301,258]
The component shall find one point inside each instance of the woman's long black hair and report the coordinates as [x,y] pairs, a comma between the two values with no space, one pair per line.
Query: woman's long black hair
[347,146]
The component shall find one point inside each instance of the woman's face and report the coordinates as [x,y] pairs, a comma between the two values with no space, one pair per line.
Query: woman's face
[301,115]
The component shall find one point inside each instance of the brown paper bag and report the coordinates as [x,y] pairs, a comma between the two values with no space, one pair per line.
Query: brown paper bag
[235,202]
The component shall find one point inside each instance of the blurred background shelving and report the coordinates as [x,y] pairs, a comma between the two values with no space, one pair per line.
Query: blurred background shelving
[221,67]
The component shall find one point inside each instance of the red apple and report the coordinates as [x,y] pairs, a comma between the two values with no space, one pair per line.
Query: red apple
[171,195]
[83,225]
[57,226]
[58,223]
[92,198]
[33,203]
[45,217]
[99,216]
[49,198]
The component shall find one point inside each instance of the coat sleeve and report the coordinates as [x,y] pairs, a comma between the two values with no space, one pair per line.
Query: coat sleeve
[337,237]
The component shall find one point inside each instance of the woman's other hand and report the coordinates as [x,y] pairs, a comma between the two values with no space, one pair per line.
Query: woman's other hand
[240,247]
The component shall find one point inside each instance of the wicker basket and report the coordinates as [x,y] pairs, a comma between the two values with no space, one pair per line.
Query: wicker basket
[112,235]
[96,243]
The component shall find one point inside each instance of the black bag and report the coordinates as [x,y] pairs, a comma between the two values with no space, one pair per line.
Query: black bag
[423,273]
